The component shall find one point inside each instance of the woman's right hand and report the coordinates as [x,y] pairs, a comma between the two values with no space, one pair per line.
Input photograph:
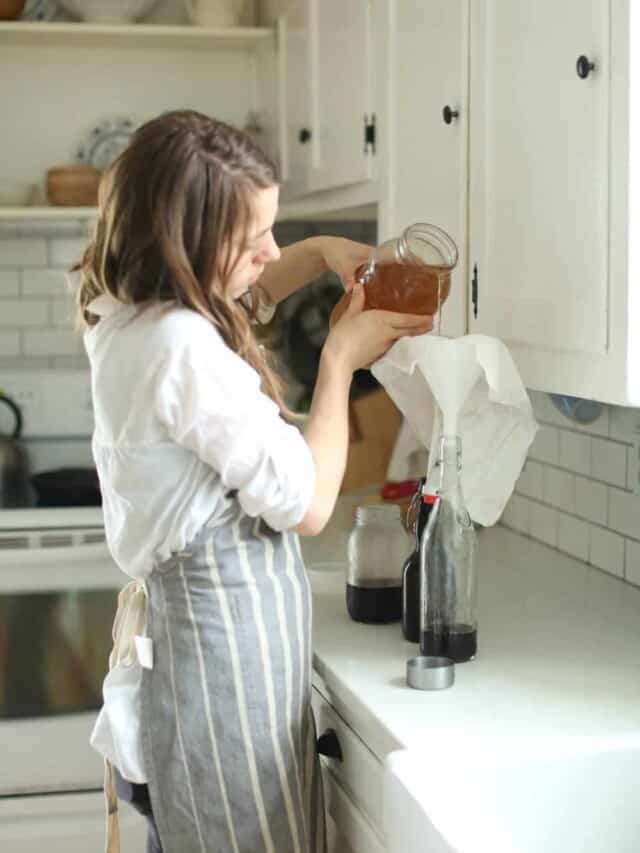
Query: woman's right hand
[361,337]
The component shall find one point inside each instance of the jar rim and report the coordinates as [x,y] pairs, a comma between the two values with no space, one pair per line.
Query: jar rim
[378,512]
[424,243]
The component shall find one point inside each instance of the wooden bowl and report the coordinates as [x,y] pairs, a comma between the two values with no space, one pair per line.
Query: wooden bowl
[10,10]
[73,186]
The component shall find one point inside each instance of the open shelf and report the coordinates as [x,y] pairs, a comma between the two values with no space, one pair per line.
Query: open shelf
[134,35]
[47,212]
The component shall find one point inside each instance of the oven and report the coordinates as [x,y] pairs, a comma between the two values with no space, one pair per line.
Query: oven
[58,594]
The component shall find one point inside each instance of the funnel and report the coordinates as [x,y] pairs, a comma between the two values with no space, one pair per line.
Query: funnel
[452,369]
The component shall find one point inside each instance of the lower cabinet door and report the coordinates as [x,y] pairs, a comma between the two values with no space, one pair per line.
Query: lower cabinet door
[349,830]
[73,823]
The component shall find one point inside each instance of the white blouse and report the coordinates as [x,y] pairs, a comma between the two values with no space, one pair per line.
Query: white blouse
[180,421]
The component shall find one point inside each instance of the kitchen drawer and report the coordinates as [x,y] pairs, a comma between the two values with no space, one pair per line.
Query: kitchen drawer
[354,831]
[359,773]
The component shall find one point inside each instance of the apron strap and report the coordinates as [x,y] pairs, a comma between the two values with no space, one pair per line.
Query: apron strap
[112,829]
[128,638]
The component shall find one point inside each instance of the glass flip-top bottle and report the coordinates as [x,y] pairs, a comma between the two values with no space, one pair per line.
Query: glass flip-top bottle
[448,593]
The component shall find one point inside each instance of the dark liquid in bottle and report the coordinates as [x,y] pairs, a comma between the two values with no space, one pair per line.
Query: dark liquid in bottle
[409,288]
[458,642]
[374,604]
[411,599]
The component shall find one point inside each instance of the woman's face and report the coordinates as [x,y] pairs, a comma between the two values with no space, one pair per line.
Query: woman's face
[260,248]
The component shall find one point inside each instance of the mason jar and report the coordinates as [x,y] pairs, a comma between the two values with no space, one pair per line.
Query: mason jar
[378,546]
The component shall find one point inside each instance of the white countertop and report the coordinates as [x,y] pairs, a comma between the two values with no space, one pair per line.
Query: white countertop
[559,653]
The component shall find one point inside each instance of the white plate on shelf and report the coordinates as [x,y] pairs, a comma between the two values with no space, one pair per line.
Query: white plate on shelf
[39,10]
[106,140]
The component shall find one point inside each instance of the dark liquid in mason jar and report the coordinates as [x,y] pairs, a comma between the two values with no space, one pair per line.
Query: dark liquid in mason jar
[375,605]
[458,642]
[408,288]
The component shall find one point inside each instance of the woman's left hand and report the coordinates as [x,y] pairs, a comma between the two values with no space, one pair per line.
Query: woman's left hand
[344,257]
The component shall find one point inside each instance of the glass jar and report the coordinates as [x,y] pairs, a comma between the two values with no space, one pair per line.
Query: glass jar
[410,273]
[378,545]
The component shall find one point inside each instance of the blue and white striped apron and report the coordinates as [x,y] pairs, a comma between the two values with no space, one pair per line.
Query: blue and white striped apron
[229,741]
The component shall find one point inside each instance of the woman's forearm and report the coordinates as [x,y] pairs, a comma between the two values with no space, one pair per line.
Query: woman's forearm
[327,434]
[299,264]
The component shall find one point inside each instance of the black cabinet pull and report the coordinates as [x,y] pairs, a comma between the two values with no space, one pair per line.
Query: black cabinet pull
[448,114]
[304,135]
[329,745]
[584,67]
[475,296]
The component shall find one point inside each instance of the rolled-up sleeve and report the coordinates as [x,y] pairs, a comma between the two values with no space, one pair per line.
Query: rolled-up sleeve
[211,403]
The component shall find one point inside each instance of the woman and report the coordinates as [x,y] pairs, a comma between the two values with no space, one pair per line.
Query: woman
[206,725]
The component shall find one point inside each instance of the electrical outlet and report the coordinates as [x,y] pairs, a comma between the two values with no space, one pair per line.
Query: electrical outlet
[53,403]
[28,399]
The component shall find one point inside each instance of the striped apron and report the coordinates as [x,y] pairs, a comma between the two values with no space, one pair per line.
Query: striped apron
[229,740]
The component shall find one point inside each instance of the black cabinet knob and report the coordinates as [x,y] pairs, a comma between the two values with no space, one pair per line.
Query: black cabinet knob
[329,745]
[304,135]
[448,114]
[584,67]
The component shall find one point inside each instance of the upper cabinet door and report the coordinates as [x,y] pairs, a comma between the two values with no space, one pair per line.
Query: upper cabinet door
[295,72]
[341,64]
[539,150]
[424,146]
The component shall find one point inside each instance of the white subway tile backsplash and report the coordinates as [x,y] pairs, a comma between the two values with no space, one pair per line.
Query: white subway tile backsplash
[9,343]
[609,462]
[624,513]
[575,452]
[18,252]
[633,467]
[559,489]
[516,514]
[632,562]
[591,500]
[51,342]
[573,536]
[622,421]
[9,283]
[545,446]
[543,523]
[65,251]
[71,362]
[530,481]
[606,550]
[63,313]
[21,313]
[45,282]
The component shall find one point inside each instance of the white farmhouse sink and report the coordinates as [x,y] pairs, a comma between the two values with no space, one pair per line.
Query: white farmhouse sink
[515,795]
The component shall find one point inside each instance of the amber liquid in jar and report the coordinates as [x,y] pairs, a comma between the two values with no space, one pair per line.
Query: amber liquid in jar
[407,288]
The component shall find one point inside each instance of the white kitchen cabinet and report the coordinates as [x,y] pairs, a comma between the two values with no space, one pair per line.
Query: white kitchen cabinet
[352,784]
[327,94]
[424,151]
[554,191]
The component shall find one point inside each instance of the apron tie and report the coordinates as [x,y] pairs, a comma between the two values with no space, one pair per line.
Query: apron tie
[129,644]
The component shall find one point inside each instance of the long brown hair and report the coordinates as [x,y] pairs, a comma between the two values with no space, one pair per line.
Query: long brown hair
[169,208]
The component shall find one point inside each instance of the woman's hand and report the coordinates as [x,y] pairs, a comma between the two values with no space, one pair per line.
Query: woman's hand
[344,257]
[361,337]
